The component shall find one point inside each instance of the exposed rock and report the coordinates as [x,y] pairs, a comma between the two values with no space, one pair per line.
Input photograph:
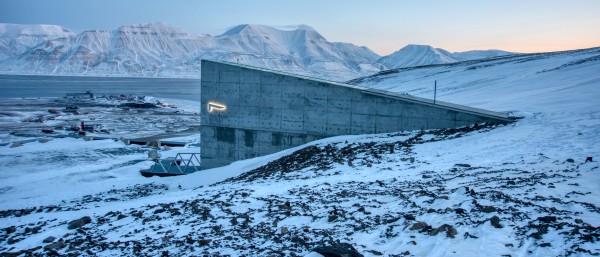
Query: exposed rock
[75,224]
[204,242]
[20,253]
[450,231]
[495,221]
[33,230]
[467,235]
[284,230]
[49,239]
[339,250]
[589,159]
[547,219]
[10,230]
[570,160]
[460,211]
[409,217]
[11,240]
[418,226]
[376,253]
[56,245]
[487,209]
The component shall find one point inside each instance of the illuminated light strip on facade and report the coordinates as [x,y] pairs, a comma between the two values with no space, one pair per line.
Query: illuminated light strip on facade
[212,106]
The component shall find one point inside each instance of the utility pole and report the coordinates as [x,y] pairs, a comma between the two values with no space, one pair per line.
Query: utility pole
[434,90]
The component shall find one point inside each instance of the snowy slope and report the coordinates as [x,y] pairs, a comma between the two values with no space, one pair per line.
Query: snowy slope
[419,55]
[522,189]
[558,80]
[160,50]
[479,54]
[17,38]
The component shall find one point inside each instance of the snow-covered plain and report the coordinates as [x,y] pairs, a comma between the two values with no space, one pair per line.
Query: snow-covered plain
[521,189]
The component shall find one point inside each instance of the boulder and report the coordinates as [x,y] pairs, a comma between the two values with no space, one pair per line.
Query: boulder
[450,231]
[75,224]
[418,226]
[487,209]
[56,245]
[547,219]
[339,250]
[495,221]
[49,239]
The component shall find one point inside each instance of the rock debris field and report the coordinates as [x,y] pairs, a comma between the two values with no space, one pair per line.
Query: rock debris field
[376,195]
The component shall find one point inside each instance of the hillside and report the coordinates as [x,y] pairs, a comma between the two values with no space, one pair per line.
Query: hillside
[556,80]
[522,189]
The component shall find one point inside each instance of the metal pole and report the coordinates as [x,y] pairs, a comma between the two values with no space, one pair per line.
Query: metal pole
[434,91]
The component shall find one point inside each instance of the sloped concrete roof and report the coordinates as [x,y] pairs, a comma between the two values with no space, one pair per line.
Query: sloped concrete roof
[383,93]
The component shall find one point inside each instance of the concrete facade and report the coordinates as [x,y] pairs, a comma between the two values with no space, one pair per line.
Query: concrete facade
[248,112]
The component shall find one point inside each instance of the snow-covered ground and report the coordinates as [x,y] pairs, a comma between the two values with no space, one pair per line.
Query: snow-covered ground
[521,189]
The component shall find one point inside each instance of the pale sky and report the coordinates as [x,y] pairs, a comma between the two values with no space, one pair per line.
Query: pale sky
[382,25]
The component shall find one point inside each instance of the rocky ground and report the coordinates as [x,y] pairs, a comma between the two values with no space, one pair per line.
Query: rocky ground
[376,196]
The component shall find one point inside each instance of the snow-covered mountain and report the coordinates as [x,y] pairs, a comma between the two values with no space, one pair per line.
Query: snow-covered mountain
[301,51]
[419,55]
[17,38]
[160,50]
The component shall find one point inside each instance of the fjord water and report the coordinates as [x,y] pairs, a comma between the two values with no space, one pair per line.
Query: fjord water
[21,86]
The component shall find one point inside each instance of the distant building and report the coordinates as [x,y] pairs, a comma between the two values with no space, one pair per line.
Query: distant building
[86,95]
[249,112]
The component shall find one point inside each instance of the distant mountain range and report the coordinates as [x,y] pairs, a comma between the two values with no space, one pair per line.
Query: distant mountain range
[419,55]
[160,50]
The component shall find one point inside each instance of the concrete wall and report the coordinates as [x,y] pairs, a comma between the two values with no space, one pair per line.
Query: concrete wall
[268,111]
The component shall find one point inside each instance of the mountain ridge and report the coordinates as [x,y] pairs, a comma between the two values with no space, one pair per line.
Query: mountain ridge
[161,50]
[418,55]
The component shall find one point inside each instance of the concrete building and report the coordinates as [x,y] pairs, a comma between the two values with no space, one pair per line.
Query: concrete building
[248,112]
